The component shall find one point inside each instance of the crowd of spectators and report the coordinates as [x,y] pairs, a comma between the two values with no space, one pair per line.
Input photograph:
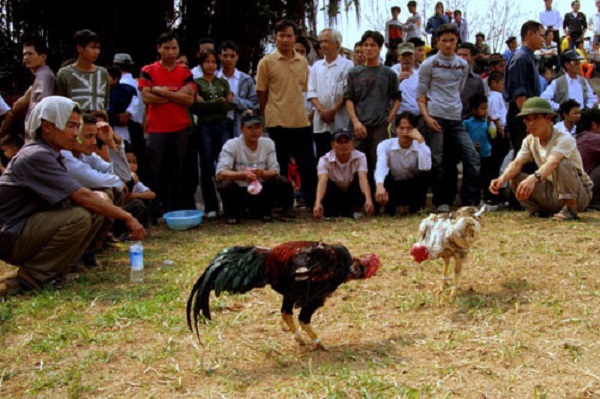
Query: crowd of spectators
[92,155]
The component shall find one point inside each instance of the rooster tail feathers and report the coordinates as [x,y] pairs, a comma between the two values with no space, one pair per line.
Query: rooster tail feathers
[235,270]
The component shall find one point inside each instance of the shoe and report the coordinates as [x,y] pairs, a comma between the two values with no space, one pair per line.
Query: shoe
[444,208]
[90,260]
[358,215]
[211,215]
[565,214]
[267,218]
[232,221]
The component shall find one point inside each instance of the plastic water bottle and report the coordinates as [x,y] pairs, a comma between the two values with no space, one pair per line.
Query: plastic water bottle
[136,259]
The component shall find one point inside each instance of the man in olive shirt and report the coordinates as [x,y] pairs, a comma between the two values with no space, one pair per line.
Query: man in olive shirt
[47,220]
[281,79]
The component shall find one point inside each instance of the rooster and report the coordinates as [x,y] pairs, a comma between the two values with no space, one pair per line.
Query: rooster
[304,272]
[448,236]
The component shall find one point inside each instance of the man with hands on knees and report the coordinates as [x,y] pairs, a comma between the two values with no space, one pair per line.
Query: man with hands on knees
[343,188]
[559,185]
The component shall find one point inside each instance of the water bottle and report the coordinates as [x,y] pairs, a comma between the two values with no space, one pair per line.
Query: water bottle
[136,259]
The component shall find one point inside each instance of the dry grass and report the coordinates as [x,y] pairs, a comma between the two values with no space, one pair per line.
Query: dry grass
[526,323]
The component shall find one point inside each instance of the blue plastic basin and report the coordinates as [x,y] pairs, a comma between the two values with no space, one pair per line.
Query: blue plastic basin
[183,220]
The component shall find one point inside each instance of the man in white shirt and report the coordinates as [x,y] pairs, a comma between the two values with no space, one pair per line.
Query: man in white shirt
[412,27]
[551,19]
[403,165]
[246,163]
[408,79]
[326,83]
[240,84]
[570,85]
[594,24]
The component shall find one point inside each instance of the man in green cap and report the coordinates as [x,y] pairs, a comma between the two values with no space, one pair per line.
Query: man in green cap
[559,185]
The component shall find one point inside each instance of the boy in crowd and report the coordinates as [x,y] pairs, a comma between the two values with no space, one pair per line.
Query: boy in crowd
[477,127]
[10,145]
[570,111]
[85,82]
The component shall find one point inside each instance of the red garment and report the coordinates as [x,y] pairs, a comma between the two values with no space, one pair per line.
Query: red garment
[588,144]
[169,117]
[293,175]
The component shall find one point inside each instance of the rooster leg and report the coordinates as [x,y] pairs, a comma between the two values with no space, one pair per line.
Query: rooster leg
[304,318]
[445,278]
[458,261]
[287,314]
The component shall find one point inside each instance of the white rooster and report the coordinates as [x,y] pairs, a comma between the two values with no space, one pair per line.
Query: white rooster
[448,236]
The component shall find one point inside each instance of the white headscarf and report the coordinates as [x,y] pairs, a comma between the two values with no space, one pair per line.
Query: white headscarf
[55,109]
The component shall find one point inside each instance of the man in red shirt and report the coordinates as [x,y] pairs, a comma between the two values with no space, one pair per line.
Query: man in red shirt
[167,90]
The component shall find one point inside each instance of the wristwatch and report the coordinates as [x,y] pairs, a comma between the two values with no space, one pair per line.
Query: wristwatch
[537,175]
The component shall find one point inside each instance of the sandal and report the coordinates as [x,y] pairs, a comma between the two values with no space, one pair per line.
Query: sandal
[565,214]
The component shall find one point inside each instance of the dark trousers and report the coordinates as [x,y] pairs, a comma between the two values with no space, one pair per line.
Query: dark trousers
[191,172]
[297,142]
[338,202]
[449,146]
[411,192]
[515,127]
[211,138]
[322,143]
[595,176]
[375,135]
[237,200]
[165,153]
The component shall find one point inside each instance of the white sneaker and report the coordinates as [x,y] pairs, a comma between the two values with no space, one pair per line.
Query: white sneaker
[358,215]
[211,215]
[444,208]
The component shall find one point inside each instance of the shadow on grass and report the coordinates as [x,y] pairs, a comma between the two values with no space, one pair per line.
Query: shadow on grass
[513,292]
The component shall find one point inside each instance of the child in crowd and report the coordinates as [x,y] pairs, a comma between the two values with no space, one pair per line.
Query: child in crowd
[477,126]
[294,178]
[10,145]
[497,116]
[139,189]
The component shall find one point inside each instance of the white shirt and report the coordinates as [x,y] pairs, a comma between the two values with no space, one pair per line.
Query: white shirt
[340,173]
[403,163]
[497,107]
[575,92]
[135,108]
[326,83]
[560,126]
[594,23]
[91,172]
[234,82]
[197,72]
[551,18]
[408,88]
[4,108]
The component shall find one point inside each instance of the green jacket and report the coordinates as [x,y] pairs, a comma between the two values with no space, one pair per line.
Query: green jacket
[214,106]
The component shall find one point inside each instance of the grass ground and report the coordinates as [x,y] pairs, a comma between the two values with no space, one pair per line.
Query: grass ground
[526,323]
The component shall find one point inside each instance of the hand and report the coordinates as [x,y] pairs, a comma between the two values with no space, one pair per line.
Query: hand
[199,98]
[369,208]
[415,135]
[250,176]
[259,173]
[360,130]
[381,195]
[136,230]
[477,146]
[526,187]
[328,116]
[433,124]
[403,75]
[318,211]
[124,118]
[106,134]
[496,185]
[187,89]
[229,97]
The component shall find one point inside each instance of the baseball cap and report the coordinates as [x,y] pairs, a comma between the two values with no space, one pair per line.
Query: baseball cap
[338,134]
[536,105]
[250,117]
[571,55]
[405,48]
[123,58]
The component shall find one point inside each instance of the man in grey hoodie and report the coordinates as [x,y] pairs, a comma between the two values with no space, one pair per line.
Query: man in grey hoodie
[441,80]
